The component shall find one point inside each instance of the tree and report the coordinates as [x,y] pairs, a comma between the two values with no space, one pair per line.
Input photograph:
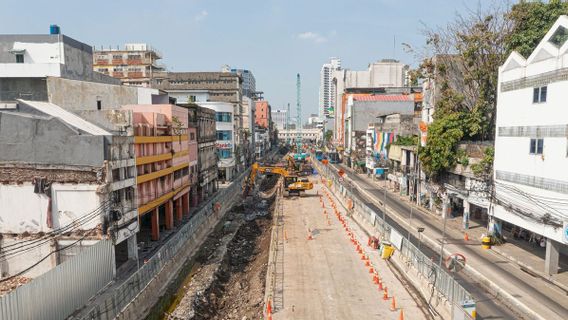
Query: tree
[530,22]
[467,54]
[328,135]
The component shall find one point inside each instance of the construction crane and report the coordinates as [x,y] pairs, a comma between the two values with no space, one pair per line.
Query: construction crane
[288,125]
[298,115]
[292,183]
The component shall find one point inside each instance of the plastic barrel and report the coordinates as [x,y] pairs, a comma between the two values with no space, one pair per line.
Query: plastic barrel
[486,242]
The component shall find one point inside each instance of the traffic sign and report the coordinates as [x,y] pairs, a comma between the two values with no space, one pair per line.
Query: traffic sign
[455,262]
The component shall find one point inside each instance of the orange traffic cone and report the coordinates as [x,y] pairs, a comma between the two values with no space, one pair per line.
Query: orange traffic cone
[367,264]
[401,315]
[371,270]
[375,279]
[380,284]
[466,237]
[393,304]
[385,293]
[310,237]
[268,308]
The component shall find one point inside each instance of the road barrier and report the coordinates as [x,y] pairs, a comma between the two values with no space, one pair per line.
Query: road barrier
[438,277]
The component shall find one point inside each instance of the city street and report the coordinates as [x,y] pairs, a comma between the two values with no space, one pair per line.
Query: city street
[547,301]
[325,278]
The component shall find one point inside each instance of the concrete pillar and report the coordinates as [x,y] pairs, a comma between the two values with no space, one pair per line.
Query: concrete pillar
[179,209]
[466,215]
[552,257]
[169,215]
[132,248]
[185,203]
[155,224]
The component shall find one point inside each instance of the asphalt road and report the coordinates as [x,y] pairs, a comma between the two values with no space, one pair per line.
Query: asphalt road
[488,307]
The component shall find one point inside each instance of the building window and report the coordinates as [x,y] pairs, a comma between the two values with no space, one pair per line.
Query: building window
[536,146]
[223,116]
[225,153]
[19,58]
[224,135]
[539,94]
[192,136]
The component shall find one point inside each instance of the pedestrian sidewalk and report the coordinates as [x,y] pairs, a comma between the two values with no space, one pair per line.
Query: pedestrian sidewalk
[517,251]
[518,289]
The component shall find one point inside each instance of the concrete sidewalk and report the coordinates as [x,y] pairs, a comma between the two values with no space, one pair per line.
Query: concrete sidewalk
[325,278]
[528,295]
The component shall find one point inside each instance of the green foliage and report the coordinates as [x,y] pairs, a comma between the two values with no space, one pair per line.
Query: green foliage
[462,157]
[485,166]
[406,141]
[328,135]
[444,134]
[530,22]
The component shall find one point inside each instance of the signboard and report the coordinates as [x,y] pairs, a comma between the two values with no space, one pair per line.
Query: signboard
[455,262]
[224,145]
[565,232]
[396,239]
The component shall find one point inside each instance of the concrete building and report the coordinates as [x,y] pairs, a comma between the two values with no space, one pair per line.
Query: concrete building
[380,77]
[279,119]
[262,142]
[327,90]
[220,86]
[162,165]
[249,112]
[249,82]
[225,138]
[65,184]
[262,114]
[531,183]
[203,119]
[364,109]
[134,64]
[50,67]
[307,135]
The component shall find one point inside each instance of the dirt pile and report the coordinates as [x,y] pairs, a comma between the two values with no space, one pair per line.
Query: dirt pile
[228,282]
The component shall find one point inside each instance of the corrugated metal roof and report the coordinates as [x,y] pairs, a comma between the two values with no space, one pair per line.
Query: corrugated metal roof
[66,116]
[386,98]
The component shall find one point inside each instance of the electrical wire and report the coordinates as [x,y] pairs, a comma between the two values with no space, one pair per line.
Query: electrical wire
[40,261]
[21,247]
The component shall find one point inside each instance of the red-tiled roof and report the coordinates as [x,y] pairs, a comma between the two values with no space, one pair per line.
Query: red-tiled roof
[386,98]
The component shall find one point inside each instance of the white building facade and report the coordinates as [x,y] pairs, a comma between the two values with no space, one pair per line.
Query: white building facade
[279,119]
[531,144]
[225,125]
[327,87]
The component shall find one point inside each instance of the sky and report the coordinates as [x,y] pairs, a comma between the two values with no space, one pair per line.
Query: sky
[275,39]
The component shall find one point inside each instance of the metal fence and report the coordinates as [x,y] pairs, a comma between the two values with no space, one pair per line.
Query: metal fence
[65,288]
[443,281]
[123,295]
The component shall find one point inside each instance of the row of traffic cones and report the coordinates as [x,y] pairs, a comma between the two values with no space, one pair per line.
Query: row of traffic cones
[364,257]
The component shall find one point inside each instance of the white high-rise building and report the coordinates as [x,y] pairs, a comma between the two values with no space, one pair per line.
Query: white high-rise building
[327,88]
[279,119]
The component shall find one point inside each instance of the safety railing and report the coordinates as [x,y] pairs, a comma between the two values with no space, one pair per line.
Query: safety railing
[438,277]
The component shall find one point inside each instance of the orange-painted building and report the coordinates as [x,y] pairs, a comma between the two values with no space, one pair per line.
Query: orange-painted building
[262,114]
[163,158]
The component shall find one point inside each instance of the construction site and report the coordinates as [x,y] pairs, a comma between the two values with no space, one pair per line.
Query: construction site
[287,250]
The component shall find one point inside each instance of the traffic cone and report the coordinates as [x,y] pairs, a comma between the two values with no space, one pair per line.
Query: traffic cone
[268,308]
[401,315]
[393,304]
[371,270]
[466,237]
[375,279]
[362,257]
[367,264]
[310,237]
[380,284]
[385,293]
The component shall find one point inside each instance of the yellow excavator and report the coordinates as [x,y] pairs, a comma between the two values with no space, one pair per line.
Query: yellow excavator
[293,185]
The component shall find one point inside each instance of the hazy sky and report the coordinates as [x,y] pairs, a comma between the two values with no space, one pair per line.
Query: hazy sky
[274,38]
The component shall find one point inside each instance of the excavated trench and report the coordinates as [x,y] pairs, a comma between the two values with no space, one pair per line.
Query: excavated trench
[225,279]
